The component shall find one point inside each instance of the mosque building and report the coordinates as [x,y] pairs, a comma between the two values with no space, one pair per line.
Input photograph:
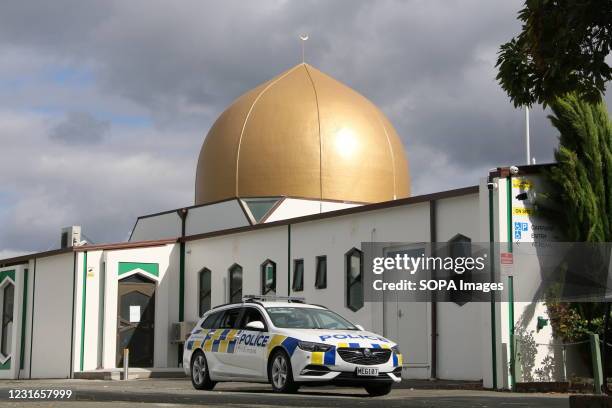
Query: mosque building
[291,179]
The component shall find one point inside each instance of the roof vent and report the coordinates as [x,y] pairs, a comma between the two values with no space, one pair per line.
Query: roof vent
[71,236]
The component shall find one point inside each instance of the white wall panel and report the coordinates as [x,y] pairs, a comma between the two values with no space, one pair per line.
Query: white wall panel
[53,317]
[215,217]
[157,227]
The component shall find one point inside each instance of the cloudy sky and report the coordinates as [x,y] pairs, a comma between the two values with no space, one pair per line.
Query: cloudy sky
[104,105]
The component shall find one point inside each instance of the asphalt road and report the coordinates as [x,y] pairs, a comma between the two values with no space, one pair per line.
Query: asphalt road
[167,393]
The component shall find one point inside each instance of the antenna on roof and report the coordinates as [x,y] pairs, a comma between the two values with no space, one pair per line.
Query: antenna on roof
[304,38]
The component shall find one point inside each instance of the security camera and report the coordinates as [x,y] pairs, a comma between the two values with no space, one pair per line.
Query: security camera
[514,170]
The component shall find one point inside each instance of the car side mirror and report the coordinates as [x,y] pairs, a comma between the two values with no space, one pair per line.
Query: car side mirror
[256,325]
[360,327]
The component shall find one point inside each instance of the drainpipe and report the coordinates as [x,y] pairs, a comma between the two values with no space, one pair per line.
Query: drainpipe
[434,303]
[288,259]
[510,282]
[492,268]
[182,213]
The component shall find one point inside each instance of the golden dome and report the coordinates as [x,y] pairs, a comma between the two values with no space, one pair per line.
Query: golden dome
[302,134]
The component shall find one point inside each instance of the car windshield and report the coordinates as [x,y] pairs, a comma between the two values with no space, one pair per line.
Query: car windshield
[307,318]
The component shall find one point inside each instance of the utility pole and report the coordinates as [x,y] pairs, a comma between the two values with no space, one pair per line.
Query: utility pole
[527,147]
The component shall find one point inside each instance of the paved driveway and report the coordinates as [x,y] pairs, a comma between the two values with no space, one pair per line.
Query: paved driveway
[167,392]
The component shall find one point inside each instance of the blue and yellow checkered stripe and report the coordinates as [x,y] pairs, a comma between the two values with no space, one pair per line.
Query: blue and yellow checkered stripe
[216,340]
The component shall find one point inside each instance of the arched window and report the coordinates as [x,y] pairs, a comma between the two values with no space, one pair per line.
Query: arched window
[460,246]
[268,277]
[321,275]
[354,279]
[235,283]
[204,291]
[298,275]
[8,299]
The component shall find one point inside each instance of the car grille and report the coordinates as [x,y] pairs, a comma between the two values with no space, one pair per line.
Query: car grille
[357,356]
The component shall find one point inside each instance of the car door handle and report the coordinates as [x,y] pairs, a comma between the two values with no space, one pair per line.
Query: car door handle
[399,313]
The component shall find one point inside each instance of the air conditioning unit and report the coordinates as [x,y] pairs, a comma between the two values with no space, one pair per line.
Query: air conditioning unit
[71,236]
[181,331]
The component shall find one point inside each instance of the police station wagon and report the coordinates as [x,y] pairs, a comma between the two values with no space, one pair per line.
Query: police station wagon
[288,343]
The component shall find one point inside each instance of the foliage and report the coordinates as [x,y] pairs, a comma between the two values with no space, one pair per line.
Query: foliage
[581,186]
[561,49]
[581,182]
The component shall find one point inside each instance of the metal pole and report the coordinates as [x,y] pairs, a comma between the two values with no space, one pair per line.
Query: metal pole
[527,147]
[126,363]
[596,361]
[605,352]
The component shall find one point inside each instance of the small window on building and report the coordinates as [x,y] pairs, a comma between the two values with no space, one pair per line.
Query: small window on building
[298,275]
[321,275]
[460,246]
[205,291]
[235,284]
[8,298]
[268,278]
[354,279]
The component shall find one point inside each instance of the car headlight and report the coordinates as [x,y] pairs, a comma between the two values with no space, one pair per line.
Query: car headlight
[396,349]
[310,346]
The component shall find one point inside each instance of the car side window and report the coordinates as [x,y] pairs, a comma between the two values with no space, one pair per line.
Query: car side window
[252,315]
[229,320]
[209,322]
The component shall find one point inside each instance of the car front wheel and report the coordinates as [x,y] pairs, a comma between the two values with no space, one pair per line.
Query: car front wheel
[200,377]
[377,390]
[280,373]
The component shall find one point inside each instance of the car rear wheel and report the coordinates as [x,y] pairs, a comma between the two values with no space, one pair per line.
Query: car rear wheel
[377,390]
[280,373]
[200,377]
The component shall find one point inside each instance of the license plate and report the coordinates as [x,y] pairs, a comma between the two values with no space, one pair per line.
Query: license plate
[367,371]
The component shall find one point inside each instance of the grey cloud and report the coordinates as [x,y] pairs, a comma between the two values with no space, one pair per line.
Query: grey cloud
[80,128]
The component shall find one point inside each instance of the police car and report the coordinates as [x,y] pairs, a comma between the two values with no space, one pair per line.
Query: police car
[288,343]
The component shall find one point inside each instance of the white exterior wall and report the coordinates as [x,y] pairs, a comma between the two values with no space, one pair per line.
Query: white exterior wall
[294,207]
[101,322]
[334,237]
[53,325]
[93,309]
[248,249]
[460,215]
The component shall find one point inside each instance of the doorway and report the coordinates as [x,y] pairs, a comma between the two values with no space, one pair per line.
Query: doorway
[136,320]
[406,321]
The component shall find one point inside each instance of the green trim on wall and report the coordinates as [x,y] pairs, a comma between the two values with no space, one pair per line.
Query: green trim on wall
[181,282]
[510,284]
[509,212]
[9,273]
[492,263]
[3,276]
[24,310]
[151,268]
[32,320]
[83,302]
[6,365]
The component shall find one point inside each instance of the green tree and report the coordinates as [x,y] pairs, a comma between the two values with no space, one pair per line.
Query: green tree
[581,190]
[561,48]
[581,182]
